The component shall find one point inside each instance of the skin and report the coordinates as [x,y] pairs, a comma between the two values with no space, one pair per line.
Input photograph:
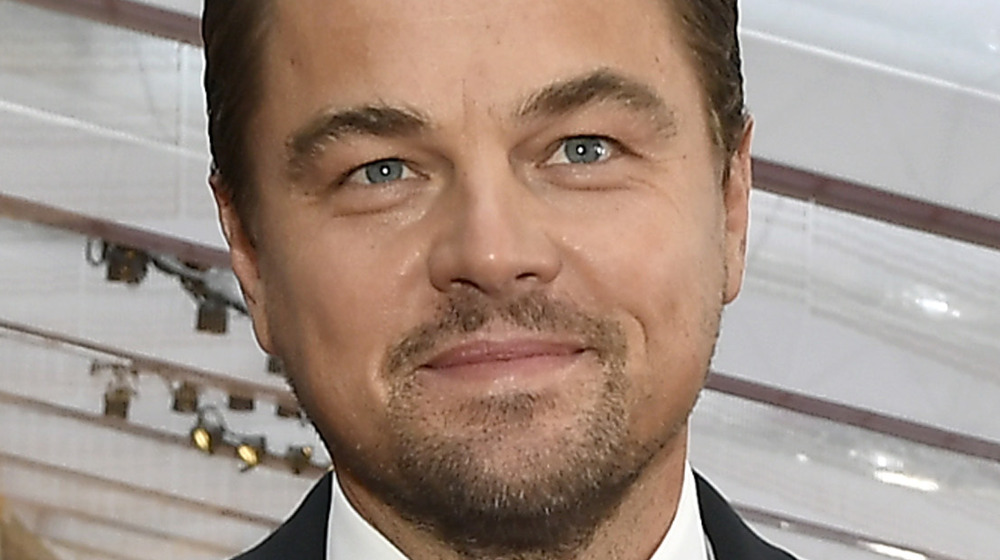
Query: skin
[647,242]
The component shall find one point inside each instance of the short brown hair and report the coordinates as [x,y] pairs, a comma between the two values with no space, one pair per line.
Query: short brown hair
[709,29]
[235,35]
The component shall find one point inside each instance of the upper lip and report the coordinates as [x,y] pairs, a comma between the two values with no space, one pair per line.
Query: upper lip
[491,350]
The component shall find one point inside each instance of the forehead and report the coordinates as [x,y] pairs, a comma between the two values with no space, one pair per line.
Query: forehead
[452,58]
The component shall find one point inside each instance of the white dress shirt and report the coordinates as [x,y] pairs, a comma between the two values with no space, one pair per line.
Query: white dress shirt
[350,537]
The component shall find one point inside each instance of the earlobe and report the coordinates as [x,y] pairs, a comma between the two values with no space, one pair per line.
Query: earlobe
[243,258]
[737,207]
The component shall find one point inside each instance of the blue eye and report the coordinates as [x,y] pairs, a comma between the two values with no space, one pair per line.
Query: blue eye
[381,172]
[585,149]
[384,171]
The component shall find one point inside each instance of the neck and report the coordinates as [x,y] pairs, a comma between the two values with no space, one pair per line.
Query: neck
[633,532]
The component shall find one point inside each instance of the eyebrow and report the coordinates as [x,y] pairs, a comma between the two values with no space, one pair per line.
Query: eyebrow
[554,100]
[368,120]
[596,87]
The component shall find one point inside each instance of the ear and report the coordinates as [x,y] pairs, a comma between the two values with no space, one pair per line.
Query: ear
[737,208]
[243,258]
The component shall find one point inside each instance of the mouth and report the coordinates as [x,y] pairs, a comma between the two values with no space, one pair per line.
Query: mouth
[515,362]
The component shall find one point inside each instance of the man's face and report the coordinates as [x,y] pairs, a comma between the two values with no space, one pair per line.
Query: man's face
[492,246]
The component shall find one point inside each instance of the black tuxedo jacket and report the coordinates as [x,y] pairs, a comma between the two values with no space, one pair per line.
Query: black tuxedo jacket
[303,536]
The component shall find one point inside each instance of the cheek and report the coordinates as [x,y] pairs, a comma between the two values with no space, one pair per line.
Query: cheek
[331,322]
[661,262]
[674,298]
[662,275]
[675,323]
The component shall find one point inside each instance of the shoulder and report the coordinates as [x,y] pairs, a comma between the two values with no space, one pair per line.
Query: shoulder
[730,536]
[303,536]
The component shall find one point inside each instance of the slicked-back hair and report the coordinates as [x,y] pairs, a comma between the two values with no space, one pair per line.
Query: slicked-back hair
[235,36]
[709,30]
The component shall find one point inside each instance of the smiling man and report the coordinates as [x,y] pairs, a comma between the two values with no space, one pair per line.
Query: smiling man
[491,241]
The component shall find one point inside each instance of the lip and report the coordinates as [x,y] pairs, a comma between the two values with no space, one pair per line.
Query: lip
[491,351]
[508,360]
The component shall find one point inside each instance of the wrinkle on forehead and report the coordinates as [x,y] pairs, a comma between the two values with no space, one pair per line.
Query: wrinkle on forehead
[464,61]
[354,14]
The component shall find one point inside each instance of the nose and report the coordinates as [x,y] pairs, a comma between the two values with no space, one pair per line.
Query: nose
[495,238]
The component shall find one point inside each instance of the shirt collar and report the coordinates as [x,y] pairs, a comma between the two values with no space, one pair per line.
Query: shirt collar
[686,537]
[350,536]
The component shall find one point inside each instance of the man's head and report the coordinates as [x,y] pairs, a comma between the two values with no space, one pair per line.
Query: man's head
[491,242]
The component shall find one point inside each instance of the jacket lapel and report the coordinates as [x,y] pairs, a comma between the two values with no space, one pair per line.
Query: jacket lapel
[730,537]
[303,536]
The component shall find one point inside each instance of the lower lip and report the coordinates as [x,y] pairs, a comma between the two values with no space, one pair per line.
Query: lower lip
[519,374]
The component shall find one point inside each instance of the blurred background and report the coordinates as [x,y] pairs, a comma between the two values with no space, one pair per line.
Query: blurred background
[853,408]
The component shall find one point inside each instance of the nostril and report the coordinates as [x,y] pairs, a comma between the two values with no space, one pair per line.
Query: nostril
[464,283]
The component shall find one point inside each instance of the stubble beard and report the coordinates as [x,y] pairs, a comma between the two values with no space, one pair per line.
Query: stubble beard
[530,501]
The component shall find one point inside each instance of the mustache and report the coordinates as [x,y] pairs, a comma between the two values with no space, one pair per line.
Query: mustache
[468,312]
